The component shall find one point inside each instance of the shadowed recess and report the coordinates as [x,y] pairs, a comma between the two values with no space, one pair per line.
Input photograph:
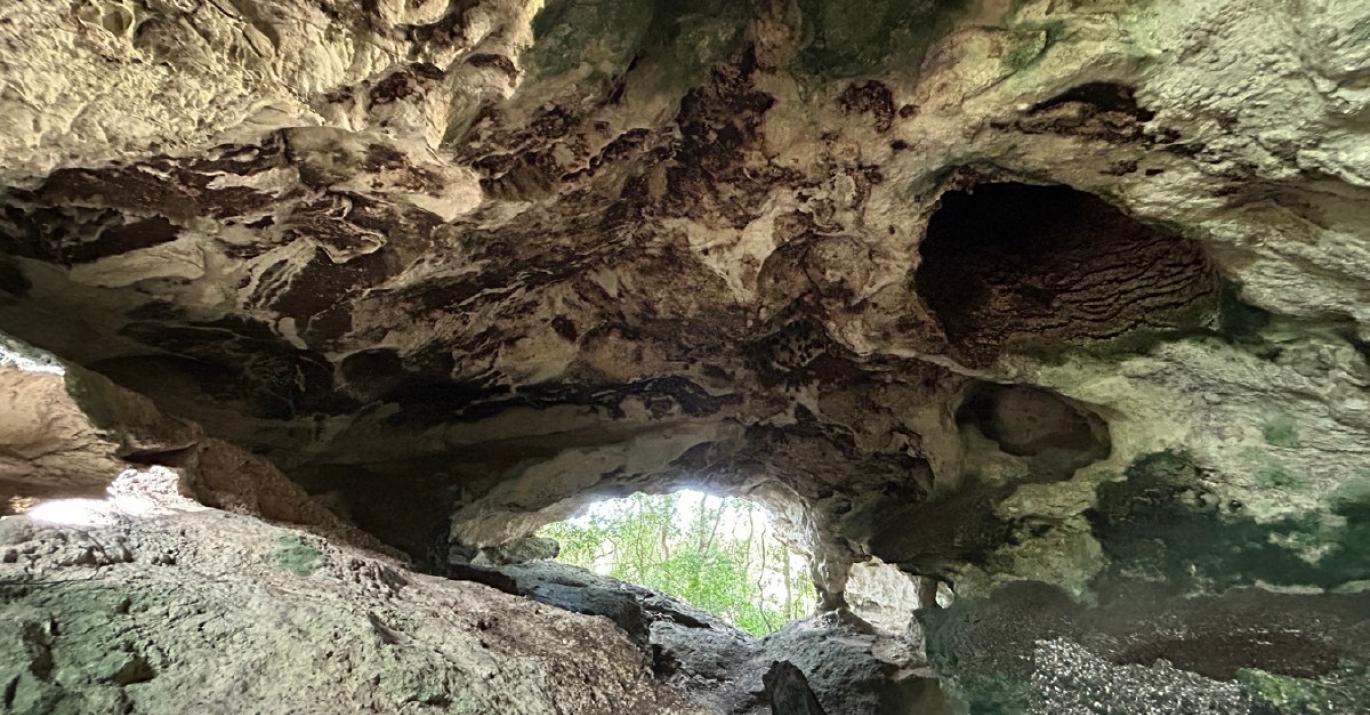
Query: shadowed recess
[1011,266]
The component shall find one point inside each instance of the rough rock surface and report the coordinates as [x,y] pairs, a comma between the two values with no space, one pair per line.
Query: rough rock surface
[1048,294]
[844,663]
[67,431]
[155,604]
[788,691]
[886,597]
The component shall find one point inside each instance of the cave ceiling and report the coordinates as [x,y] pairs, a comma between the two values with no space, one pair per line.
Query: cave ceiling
[460,265]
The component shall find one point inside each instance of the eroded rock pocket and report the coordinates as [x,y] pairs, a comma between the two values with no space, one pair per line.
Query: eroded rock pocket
[1041,269]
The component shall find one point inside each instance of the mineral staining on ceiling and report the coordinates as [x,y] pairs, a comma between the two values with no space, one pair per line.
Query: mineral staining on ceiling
[1052,302]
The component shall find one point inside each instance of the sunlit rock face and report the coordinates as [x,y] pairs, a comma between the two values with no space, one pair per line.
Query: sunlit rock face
[1058,296]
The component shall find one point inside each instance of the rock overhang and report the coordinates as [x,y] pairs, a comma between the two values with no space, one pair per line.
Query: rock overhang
[497,263]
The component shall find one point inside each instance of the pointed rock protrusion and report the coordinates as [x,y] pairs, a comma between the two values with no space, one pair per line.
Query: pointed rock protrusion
[788,691]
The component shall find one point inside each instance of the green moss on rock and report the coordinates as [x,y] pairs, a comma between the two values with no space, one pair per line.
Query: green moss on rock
[1352,498]
[1276,691]
[1273,474]
[677,38]
[1164,524]
[1344,691]
[1025,50]
[1280,431]
[994,694]
[1031,42]
[297,557]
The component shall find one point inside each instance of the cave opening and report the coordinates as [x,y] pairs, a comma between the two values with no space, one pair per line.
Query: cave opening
[1033,333]
[1040,269]
[724,555]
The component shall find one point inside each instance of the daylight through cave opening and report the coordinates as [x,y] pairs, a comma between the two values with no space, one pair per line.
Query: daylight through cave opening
[723,555]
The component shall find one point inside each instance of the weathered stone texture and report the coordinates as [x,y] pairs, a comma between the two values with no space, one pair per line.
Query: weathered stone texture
[1052,292]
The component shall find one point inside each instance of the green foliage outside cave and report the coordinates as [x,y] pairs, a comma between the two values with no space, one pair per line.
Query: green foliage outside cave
[720,555]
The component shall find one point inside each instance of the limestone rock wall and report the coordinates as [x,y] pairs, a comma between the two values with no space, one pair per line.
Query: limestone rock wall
[1052,292]
[153,603]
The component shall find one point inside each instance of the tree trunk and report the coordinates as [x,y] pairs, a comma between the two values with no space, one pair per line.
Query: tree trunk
[713,530]
[789,591]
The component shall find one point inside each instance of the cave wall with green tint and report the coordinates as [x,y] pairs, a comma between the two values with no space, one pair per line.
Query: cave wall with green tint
[678,39]
[1161,523]
[564,30]
[65,636]
[844,38]
[1238,320]
[294,555]
[1198,602]
[1346,690]
[1031,647]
